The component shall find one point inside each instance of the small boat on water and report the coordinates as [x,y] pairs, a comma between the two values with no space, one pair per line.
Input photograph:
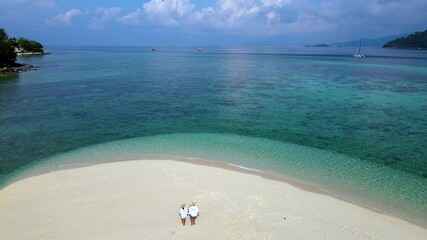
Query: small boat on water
[358,55]
[199,49]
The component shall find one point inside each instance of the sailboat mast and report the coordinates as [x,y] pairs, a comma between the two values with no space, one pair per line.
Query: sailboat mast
[358,49]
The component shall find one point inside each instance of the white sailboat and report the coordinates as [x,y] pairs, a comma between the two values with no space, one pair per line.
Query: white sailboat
[358,55]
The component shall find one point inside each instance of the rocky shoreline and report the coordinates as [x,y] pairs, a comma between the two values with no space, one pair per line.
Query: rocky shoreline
[29,54]
[18,68]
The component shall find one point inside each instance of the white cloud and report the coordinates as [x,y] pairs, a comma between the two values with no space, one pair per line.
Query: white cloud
[307,23]
[64,18]
[371,17]
[272,16]
[108,13]
[133,18]
[228,14]
[275,3]
[241,16]
[277,16]
[104,15]
[167,12]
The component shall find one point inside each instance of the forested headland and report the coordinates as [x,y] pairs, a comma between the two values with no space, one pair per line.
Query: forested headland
[10,48]
[417,40]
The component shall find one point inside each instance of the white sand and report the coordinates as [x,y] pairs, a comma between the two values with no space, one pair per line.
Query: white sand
[141,199]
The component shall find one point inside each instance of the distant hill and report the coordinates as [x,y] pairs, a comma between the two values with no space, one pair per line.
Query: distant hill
[369,42]
[318,45]
[417,40]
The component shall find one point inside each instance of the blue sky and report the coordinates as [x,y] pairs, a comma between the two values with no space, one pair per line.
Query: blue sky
[207,22]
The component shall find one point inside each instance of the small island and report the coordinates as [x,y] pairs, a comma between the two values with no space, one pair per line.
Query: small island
[10,48]
[418,40]
[318,45]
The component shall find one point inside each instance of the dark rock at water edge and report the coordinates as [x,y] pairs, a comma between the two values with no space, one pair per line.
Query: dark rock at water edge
[18,68]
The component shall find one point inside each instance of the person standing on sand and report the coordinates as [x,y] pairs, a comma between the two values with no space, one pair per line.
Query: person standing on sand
[183,212]
[193,210]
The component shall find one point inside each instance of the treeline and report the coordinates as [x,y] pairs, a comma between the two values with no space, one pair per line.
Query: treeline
[10,47]
[418,40]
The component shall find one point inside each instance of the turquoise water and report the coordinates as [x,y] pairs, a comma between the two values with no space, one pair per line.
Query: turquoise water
[353,127]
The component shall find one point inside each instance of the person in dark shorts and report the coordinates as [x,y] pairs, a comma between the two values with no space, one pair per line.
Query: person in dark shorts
[193,210]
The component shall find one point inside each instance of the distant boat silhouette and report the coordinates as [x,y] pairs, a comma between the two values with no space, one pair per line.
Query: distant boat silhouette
[199,49]
[358,55]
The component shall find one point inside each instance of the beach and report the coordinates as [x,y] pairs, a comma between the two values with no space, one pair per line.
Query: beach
[140,200]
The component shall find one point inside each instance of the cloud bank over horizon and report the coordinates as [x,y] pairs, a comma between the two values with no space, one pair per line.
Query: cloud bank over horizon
[219,22]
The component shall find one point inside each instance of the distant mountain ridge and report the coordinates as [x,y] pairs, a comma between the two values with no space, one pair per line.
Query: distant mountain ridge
[369,42]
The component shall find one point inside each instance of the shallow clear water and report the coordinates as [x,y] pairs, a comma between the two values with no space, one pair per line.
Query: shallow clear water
[356,127]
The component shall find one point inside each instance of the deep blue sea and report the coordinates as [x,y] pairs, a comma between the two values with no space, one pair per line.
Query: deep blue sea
[355,127]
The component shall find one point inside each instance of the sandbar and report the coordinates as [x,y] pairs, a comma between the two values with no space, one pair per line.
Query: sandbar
[140,199]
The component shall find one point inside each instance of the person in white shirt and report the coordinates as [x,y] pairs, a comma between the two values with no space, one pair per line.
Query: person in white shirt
[193,210]
[183,212]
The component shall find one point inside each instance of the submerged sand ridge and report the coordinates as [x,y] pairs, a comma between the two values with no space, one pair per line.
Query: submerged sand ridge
[141,199]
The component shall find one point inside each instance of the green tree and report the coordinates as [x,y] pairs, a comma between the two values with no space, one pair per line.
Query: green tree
[3,34]
[7,50]
[30,45]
